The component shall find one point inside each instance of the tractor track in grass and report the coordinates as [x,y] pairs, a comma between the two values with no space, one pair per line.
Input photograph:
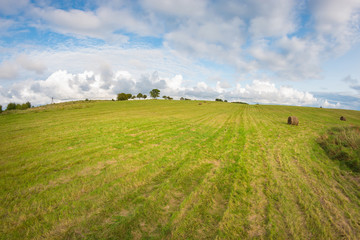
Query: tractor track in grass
[174,170]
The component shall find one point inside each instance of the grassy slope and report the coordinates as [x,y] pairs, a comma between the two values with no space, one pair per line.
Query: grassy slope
[173,169]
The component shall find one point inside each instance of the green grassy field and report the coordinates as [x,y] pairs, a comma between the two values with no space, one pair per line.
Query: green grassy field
[174,170]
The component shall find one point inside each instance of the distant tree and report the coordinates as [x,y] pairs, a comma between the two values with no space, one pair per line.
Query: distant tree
[24,106]
[218,100]
[139,95]
[11,106]
[165,97]
[18,106]
[225,101]
[155,93]
[182,98]
[129,95]
[133,97]
[169,98]
[144,96]
[122,97]
[0,109]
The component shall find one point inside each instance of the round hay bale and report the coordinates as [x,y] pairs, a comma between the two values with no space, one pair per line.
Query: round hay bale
[342,118]
[292,120]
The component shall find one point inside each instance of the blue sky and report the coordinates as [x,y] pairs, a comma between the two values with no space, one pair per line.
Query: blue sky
[291,52]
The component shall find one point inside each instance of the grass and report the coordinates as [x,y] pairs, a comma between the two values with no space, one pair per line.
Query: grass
[174,170]
[343,144]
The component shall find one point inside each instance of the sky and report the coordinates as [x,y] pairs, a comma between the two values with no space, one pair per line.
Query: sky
[288,52]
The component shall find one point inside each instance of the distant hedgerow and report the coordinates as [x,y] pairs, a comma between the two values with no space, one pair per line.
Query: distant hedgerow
[13,106]
[343,144]
[124,96]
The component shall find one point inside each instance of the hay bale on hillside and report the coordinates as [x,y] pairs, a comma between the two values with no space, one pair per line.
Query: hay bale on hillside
[292,120]
[342,118]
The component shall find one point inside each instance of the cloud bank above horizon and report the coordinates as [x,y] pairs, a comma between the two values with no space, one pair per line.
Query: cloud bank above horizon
[273,52]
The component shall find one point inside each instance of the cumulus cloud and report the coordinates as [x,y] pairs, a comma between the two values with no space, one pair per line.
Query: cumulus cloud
[251,35]
[326,104]
[63,86]
[267,93]
[272,18]
[10,69]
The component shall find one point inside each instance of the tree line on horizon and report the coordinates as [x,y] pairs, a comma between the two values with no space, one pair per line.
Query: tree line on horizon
[14,106]
[155,93]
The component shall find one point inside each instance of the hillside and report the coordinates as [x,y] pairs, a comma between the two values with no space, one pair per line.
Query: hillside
[174,170]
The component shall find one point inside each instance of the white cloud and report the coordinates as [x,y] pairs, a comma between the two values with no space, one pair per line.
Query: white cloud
[337,23]
[272,18]
[9,7]
[260,39]
[63,85]
[31,64]
[266,92]
[183,8]
[103,23]
[10,69]
[326,104]
[290,58]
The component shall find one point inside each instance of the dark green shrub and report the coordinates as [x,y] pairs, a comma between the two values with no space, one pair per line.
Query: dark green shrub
[218,100]
[139,95]
[343,144]
[11,106]
[0,109]
[144,96]
[123,96]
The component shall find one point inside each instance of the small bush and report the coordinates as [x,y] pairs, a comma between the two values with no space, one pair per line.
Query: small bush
[123,96]
[218,100]
[343,144]
[0,109]
[11,106]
